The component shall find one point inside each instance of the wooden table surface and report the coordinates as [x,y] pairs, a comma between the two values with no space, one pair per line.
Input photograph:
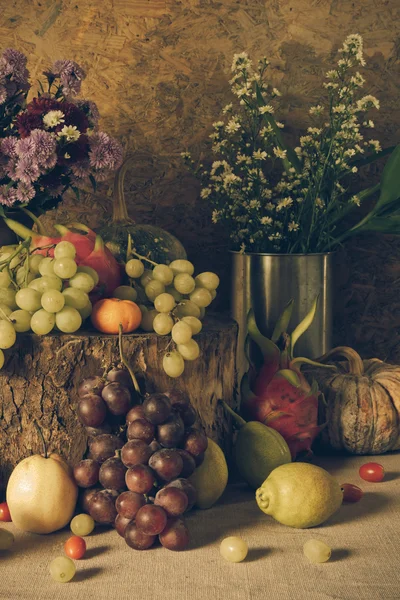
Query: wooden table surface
[364,537]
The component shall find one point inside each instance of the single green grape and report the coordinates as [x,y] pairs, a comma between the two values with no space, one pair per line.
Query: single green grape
[181,332]
[181,266]
[125,292]
[187,308]
[75,298]
[65,268]
[68,319]
[202,297]
[62,569]
[164,303]
[7,335]
[153,289]
[317,551]
[195,324]
[190,350]
[163,324]
[53,301]
[82,281]
[21,276]
[34,262]
[82,525]
[42,322]
[89,271]
[5,279]
[86,311]
[64,250]
[6,537]
[173,364]
[233,549]
[134,268]
[28,299]
[46,266]
[7,296]
[2,358]
[207,280]
[184,283]
[164,274]
[146,277]
[21,320]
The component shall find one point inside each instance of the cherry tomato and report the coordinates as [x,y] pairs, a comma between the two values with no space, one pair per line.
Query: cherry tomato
[5,513]
[75,547]
[351,493]
[372,472]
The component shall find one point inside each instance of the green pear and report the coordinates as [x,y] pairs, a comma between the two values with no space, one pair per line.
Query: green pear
[258,450]
[299,495]
[211,477]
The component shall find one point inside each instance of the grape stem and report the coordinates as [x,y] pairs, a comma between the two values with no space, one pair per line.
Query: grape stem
[125,362]
[41,435]
[140,257]
[21,246]
[5,317]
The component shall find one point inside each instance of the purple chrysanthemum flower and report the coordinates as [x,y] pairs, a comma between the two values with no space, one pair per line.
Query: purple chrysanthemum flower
[11,168]
[71,76]
[3,94]
[105,152]
[45,147]
[8,195]
[13,64]
[8,145]
[25,192]
[27,170]
[25,148]
[81,170]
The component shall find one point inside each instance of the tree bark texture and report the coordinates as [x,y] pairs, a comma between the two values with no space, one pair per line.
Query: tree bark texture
[41,376]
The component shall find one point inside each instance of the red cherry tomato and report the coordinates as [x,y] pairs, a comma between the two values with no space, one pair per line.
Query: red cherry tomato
[5,513]
[372,472]
[75,547]
[351,493]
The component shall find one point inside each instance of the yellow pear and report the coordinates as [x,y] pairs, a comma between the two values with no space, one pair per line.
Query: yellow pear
[41,494]
[299,495]
[211,477]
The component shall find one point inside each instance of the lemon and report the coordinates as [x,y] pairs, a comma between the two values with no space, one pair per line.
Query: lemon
[299,495]
[211,477]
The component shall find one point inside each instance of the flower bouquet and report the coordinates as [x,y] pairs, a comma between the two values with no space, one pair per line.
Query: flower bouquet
[278,199]
[51,143]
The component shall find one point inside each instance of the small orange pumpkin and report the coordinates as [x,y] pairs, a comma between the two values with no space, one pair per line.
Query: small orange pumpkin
[109,313]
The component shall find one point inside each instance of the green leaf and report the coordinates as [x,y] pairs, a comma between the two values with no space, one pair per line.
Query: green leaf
[291,154]
[390,181]
[93,182]
[304,324]
[389,224]
[283,321]
[2,213]
[290,376]
[76,191]
[267,347]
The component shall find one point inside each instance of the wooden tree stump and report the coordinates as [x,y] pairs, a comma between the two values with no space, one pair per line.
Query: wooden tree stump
[41,376]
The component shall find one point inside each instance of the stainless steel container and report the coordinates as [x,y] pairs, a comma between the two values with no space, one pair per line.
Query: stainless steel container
[267,282]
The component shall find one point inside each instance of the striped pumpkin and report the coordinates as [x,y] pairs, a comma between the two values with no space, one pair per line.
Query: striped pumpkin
[362,410]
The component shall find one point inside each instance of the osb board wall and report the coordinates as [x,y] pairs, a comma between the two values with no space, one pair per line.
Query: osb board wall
[159,71]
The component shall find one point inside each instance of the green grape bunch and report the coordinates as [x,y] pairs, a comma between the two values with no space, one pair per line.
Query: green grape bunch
[40,293]
[173,302]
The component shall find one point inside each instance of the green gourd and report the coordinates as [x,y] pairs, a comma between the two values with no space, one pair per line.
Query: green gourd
[147,240]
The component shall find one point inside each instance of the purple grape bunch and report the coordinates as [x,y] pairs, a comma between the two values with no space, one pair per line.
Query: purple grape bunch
[140,457]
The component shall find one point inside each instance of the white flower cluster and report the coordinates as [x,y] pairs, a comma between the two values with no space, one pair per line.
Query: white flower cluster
[273,198]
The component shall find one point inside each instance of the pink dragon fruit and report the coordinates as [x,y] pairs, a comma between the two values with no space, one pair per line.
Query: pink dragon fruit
[277,393]
[90,251]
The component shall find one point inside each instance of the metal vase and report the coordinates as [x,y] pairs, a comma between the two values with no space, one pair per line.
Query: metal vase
[267,282]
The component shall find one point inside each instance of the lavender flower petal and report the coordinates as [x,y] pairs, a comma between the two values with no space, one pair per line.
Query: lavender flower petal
[25,192]
[8,196]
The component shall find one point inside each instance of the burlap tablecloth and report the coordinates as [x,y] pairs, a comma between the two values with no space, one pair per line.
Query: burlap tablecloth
[365,563]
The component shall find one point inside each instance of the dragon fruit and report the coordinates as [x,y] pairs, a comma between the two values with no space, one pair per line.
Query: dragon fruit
[90,251]
[274,391]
